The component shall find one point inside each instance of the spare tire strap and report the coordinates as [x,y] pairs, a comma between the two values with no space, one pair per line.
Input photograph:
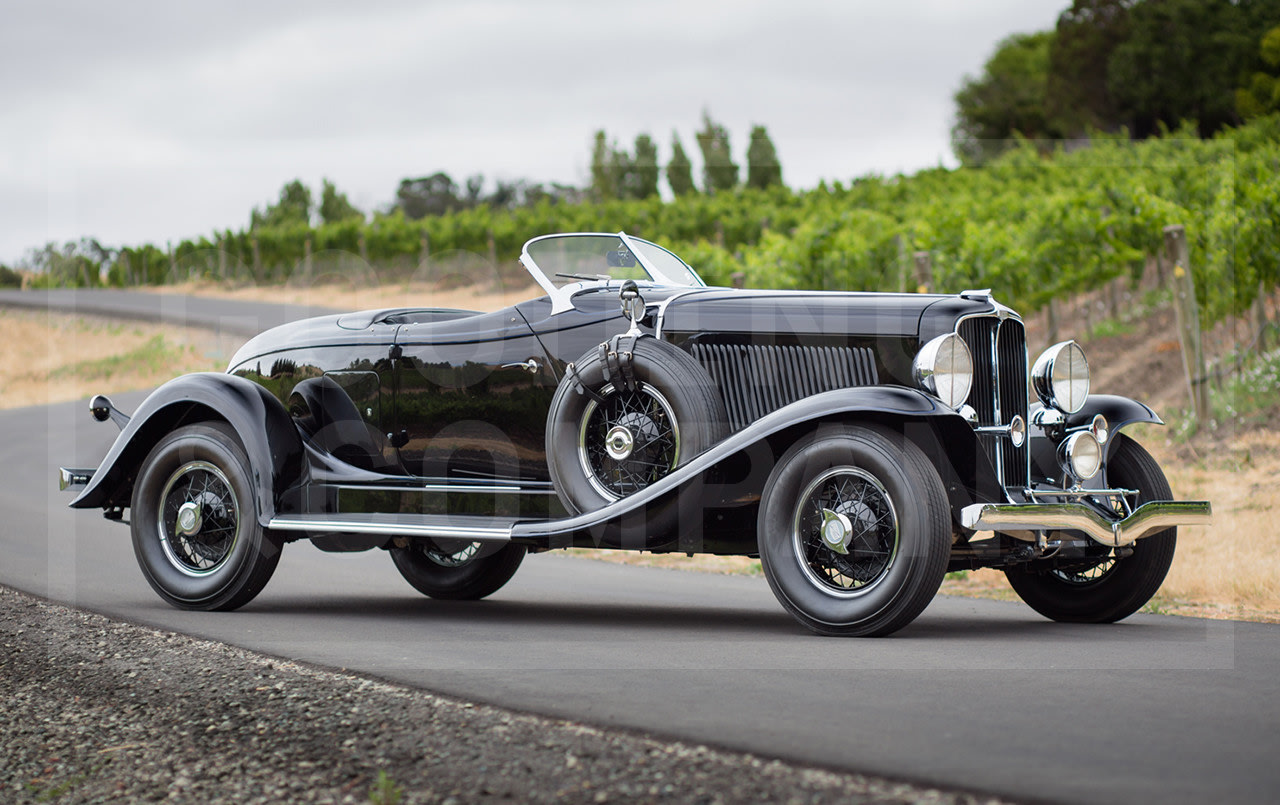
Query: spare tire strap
[581,387]
[617,355]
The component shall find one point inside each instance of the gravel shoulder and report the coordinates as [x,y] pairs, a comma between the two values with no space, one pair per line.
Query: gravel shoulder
[103,710]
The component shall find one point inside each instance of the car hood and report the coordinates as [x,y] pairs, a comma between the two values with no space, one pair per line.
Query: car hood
[725,310]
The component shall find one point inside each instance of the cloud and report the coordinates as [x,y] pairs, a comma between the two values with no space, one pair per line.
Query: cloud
[155,120]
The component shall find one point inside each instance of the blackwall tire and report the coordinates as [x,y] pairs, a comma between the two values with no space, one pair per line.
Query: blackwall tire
[457,572]
[895,528]
[675,413]
[194,521]
[1109,589]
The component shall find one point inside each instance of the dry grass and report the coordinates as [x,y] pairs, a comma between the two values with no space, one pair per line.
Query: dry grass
[342,296]
[47,358]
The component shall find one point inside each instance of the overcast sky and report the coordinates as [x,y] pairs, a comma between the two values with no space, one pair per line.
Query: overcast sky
[149,121]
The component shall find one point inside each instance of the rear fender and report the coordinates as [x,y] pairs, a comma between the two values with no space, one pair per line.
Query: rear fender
[267,433]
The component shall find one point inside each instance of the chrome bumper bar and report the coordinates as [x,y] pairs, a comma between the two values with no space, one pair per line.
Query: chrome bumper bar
[72,479]
[1012,518]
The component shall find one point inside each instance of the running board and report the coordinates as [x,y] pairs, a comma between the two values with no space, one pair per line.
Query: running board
[438,526]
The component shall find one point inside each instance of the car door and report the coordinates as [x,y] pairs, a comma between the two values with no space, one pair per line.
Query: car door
[471,399]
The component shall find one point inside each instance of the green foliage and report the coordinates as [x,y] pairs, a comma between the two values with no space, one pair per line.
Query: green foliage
[1030,225]
[9,278]
[1077,98]
[1007,99]
[385,791]
[1180,61]
[616,174]
[645,170]
[719,171]
[1261,93]
[763,169]
[679,169]
[293,207]
[334,206]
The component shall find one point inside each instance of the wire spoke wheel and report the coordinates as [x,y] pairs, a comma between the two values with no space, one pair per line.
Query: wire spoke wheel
[449,554]
[628,441]
[846,531]
[198,518]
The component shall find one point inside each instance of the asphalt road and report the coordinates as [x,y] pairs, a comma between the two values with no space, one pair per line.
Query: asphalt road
[219,315]
[976,694]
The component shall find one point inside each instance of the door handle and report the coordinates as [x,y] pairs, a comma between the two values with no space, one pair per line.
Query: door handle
[531,366]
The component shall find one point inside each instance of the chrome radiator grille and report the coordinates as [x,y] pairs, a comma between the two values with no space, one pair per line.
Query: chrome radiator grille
[999,350]
[757,380]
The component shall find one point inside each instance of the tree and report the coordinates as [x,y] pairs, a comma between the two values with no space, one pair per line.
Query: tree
[1261,93]
[679,169]
[1181,61]
[643,179]
[605,181]
[1076,93]
[294,207]
[763,168]
[334,206]
[719,171]
[1008,97]
[436,194]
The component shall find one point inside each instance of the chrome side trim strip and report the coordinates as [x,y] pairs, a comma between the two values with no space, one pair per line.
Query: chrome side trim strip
[437,488]
[397,528]
[1010,518]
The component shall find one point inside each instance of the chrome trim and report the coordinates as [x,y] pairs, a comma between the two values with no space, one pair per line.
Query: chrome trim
[660,316]
[392,528]
[1042,376]
[1080,493]
[925,366]
[73,480]
[467,489]
[1011,518]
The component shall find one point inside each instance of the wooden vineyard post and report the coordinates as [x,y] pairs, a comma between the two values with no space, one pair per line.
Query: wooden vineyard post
[924,272]
[1260,322]
[901,244]
[1188,317]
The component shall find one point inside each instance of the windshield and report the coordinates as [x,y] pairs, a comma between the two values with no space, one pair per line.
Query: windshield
[558,261]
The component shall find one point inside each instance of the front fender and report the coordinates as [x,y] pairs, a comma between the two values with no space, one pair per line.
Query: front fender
[267,433]
[1119,411]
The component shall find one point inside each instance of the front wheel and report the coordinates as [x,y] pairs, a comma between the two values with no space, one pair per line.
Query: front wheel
[195,521]
[854,531]
[455,570]
[1102,588]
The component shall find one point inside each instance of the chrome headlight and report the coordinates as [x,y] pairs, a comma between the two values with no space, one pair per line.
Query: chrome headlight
[1060,377]
[944,368]
[1080,455]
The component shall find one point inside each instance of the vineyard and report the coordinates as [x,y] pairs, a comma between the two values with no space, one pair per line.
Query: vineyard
[1033,225]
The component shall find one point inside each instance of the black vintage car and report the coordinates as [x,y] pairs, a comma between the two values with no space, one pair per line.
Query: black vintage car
[860,444]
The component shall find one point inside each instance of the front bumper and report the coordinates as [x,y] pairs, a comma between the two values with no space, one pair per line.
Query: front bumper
[1023,520]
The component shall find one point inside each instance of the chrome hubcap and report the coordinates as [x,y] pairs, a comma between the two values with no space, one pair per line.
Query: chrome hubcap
[198,519]
[188,519]
[618,443]
[845,532]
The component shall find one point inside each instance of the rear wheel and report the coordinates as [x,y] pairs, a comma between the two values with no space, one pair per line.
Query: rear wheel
[854,532]
[194,521]
[457,570]
[1103,588]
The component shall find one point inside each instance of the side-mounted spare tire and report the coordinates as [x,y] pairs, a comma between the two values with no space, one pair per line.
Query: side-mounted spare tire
[608,438]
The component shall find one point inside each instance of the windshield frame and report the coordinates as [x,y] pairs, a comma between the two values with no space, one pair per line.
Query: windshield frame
[562,294]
